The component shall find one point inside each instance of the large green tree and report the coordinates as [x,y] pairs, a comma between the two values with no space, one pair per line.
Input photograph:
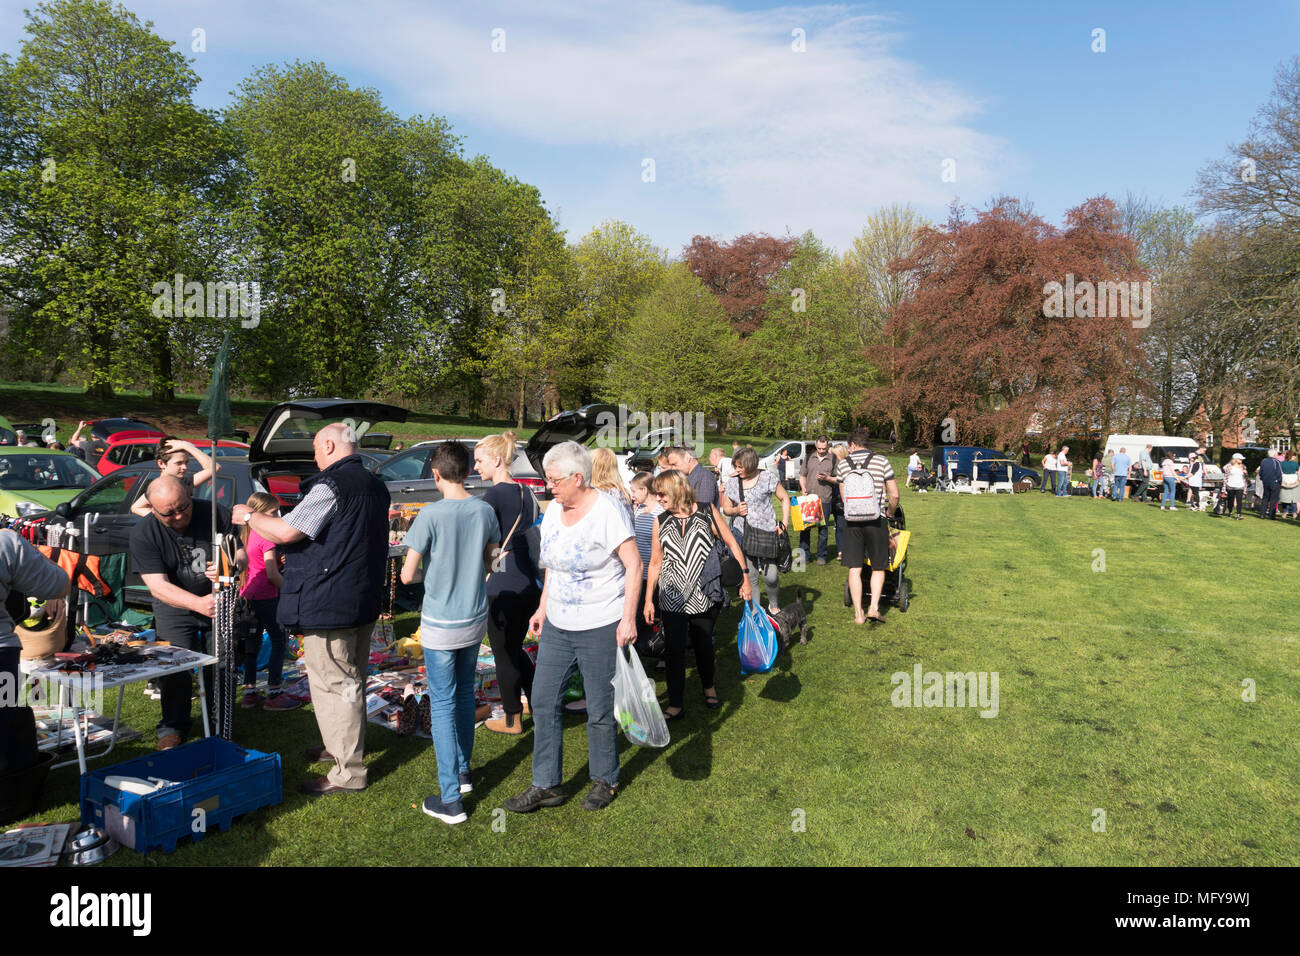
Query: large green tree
[110,181]
[677,353]
[805,367]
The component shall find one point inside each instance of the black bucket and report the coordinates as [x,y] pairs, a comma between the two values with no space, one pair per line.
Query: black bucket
[20,790]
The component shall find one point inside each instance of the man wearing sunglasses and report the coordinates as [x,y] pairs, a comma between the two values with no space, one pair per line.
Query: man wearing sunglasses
[171,548]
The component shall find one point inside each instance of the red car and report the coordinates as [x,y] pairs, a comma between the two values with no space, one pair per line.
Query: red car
[133,447]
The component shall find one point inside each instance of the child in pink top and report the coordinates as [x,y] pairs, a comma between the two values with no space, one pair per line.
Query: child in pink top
[261,588]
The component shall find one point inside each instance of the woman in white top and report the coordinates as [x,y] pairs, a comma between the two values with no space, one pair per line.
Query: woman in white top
[587,614]
[913,468]
[1234,479]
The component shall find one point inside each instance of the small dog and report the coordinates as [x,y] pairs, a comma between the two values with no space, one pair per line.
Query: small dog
[792,618]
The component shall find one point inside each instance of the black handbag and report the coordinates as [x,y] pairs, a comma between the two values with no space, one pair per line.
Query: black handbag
[729,569]
[784,556]
[762,544]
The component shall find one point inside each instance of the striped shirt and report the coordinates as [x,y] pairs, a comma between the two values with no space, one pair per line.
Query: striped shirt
[686,543]
[877,466]
[643,521]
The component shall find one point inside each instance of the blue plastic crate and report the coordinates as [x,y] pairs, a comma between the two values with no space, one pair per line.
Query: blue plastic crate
[221,779]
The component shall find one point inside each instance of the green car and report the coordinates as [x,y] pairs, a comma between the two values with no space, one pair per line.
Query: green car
[37,479]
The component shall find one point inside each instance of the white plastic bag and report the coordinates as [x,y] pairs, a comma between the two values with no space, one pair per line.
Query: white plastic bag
[636,708]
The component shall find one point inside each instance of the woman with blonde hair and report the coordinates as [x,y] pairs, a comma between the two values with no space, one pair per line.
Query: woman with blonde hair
[512,589]
[261,588]
[605,477]
[683,538]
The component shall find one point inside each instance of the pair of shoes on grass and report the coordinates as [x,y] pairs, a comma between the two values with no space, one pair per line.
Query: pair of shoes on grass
[599,797]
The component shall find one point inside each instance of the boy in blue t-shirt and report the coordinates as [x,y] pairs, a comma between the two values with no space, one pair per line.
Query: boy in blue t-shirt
[456,539]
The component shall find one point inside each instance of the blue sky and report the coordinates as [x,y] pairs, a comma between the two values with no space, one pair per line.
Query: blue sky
[748,135]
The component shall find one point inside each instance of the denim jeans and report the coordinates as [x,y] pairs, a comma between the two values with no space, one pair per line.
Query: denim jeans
[1119,481]
[1062,483]
[1167,497]
[265,610]
[451,713]
[1049,481]
[559,653]
[823,533]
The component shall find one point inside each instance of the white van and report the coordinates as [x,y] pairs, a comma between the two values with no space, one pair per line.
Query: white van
[1177,448]
[770,458]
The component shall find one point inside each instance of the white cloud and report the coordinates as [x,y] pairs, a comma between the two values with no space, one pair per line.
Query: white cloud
[815,140]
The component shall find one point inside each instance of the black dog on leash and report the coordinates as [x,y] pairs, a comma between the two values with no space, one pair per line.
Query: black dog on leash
[792,618]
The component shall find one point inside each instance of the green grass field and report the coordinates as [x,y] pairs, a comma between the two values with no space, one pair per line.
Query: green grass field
[1120,690]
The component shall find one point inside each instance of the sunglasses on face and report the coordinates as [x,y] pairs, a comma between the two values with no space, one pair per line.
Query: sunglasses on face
[176,511]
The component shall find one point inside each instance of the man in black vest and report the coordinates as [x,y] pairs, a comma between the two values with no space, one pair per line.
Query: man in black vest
[335,543]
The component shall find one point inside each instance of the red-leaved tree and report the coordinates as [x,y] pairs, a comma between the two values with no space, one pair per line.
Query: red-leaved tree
[738,272]
[981,347]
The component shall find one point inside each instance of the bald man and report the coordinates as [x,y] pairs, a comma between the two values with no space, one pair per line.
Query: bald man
[171,548]
[335,543]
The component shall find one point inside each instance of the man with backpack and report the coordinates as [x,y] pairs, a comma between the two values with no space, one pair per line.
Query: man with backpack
[1270,476]
[865,478]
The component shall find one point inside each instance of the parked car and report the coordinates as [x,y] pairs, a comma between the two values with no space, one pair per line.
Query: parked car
[134,447]
[409,474]
[33,480]
[963,460]
[8,435]
[102,428]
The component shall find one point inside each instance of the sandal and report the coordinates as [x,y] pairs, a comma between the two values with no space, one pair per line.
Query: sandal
[677,716]
[713,702]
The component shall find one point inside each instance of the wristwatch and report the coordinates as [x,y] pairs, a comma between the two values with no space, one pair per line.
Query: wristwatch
[248,516]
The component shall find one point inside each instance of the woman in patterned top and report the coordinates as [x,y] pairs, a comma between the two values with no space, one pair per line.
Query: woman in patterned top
[749,495]
[683,538]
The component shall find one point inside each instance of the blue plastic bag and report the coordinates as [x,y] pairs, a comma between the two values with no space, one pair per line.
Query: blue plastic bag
[756,641]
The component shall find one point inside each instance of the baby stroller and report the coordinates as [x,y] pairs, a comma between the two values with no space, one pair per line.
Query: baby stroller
[896,588]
